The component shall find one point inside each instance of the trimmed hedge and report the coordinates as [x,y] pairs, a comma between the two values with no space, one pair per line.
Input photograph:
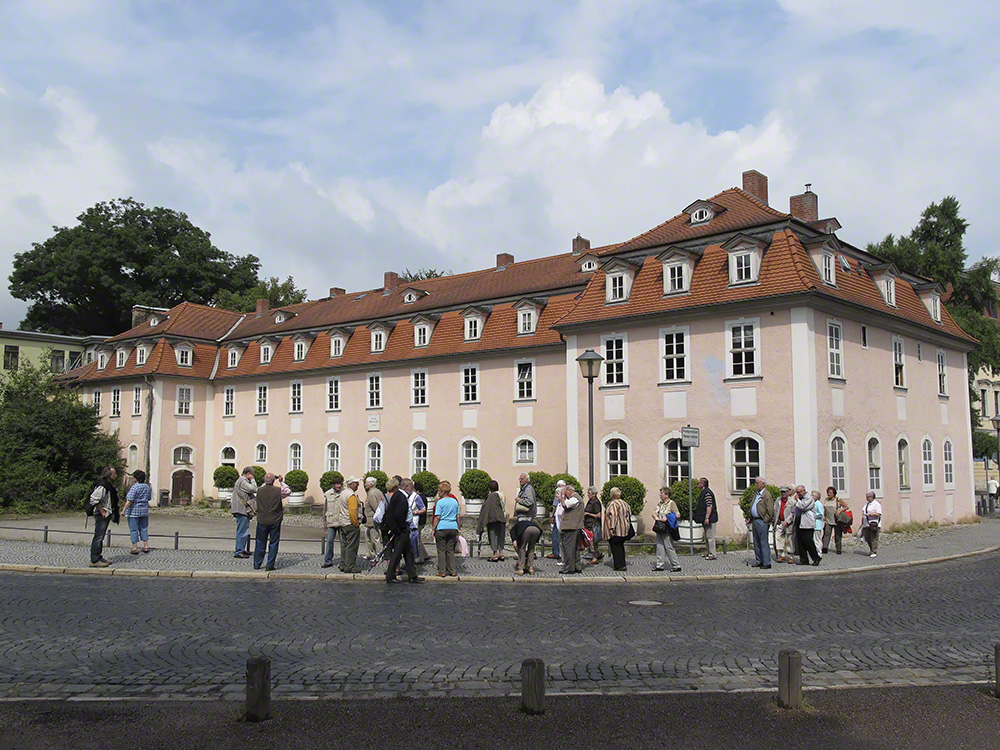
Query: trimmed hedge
[380,478]
[679,494]
[258,475]
[633,492]
[225,477]
[329,479]
[429,480]
[746,499]
[474,484]
[297,480]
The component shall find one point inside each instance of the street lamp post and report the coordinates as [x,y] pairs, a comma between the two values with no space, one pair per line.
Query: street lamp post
[590,366]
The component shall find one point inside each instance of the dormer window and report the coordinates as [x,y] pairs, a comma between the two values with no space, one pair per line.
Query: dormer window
[741,268]
[234,358]
[526,321]
[300,351]
[829,269]
[279,318]
[102,360]
[473,328]
[701,216]
[140,355]
[675,278]
[154,321]
[184,356]
[421,335]
[378,341]
[589,266]
[936,308]
[336,346]
[409,298]
[744,259]
[616,287]
[265,354]
[889,290]
[121,357]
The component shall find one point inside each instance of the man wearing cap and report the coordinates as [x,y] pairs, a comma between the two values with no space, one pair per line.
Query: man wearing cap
[350,526]
[784,527]
[331,521]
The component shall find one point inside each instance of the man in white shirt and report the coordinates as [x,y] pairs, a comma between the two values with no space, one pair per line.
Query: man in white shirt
[557,513]
[871,522]
[992,486]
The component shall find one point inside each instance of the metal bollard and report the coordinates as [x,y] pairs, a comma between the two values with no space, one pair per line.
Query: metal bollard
[533,686]
[322,546]
[996,669]
[258,705]
[109,536]
[790,678]
[177,539]
[45,535]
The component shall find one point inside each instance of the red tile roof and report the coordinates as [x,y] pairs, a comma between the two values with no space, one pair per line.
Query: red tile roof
[161,360]
[186,320]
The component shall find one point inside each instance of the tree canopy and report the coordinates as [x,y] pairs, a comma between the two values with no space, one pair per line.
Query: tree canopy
[278,293]
[409,276]
[85,279]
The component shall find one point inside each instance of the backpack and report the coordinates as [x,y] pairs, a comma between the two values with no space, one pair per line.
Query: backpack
[88,507]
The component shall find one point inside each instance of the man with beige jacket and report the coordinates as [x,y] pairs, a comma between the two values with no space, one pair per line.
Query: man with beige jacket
[331,521]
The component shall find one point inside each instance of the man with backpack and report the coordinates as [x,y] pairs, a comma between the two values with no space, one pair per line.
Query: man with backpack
[103,506]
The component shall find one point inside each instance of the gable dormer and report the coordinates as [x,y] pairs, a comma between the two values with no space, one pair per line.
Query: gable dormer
[380,330]
[745,255]
[121,357]
[142,349]
[619,275]
[184,353]
[826,254]
[155,320]
[678,268]
[702,212]
[930,294]
[475,318]
[338,340]
[423,327]
[884,275]
[300,345]
[411,295]
[280,316]
[529,310]
[588,263]
[234,353]
[268,345]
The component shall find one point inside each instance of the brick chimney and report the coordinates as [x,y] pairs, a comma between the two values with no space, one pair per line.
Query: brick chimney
[391,281]
[263,306]
[805,206]
[504,260]
[336,291]
[580,244]
[755,183]
[140,315]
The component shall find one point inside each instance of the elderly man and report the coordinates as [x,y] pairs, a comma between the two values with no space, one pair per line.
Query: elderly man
[525,506]
[331,522]
[805,541]
[570,525]
[784,527]
[706,513]
[394,521]
[241,506]
[270,511]
[348,520]
[373,530]
[759,520]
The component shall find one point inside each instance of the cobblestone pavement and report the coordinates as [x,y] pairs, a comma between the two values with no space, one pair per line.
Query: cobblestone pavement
[897,549]
[90,637]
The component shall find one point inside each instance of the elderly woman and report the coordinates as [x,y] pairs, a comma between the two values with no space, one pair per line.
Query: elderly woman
[592,513]
[664,543]
[524,534]
[617,521]
[832,505]
[136,510]
[493,518]
[805,505]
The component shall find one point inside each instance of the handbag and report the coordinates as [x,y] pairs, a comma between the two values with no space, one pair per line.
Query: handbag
[660,527]
[631,532]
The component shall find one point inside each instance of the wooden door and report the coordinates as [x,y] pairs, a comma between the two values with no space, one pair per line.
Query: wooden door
[180,487]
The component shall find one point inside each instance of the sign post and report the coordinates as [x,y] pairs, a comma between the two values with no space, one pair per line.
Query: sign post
[690,438]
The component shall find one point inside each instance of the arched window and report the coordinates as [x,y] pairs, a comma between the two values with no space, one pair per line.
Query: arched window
[746,462]
[374,456]
[675,461]
[229,456]
[182,455]
[874,465]
[294,457]
[260,454]
[927,456]
[332,457]
[418,456]
[949,463]
[903,463]
[133,457]
[616,457]
[526,451]
[470,455]
[838,464]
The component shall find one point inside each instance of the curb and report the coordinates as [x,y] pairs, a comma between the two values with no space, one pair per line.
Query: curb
[573,580]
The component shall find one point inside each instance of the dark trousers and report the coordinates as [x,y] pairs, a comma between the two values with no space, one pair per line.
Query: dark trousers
[570,554]
[838,537]
[100,529]
[401,549]
[617,545]
[268,536]
[495,532]
[807,546]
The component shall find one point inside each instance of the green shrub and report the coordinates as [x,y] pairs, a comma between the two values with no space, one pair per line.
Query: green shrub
[329,479]
[746,499]
[297,480]
[258,475]
[633,492]
[474,484]
[679,494]
[540,481]
[429,481]
[225,477]
[380,478]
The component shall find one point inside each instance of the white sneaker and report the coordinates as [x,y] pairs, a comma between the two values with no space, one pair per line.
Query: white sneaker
[872,555]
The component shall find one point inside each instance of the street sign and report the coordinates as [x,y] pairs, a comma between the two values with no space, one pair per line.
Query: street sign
[690,437]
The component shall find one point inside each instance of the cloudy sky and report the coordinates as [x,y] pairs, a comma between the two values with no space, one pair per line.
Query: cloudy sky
[336,140]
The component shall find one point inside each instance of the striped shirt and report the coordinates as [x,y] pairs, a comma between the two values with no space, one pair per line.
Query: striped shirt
[617,518]
[138,495]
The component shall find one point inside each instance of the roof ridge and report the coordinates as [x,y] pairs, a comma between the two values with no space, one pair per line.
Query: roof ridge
[754,199]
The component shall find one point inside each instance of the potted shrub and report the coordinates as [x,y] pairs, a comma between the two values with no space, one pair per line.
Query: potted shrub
[329,479]
[633,493]
[474,486]
[258,475]
[542,482]
[224,478]
[297,481]
[690,532]
[746,500]
[430,484]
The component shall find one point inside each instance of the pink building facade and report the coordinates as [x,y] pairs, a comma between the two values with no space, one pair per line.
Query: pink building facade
[799,357]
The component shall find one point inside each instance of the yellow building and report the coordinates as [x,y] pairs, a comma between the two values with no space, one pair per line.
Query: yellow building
[58,352]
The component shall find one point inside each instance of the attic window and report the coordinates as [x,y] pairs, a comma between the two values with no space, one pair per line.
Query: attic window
[121,357]
[336,346]
[675,278]
[742,268]
[378,341]
[936,308]
[472,328]
[421,335]
[845,264]
[265,354]
[589,266]
[279,318]
[526,321]
[184,356]
[102,360]
[234,358]
[829,269]
[140,355]
[701,215]
[154,321]
[616,287]
[889,290]
[409,298]
[300,351]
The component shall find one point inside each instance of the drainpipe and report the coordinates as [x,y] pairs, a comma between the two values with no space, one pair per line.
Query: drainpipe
[149,424]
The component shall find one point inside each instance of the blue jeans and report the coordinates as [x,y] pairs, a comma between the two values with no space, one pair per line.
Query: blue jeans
[331,536]
[555,540]
[138,528]
[242,533]
[100,529]
[269,535]
[761,549]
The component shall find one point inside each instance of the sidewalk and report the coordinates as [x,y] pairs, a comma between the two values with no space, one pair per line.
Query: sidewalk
[302,559]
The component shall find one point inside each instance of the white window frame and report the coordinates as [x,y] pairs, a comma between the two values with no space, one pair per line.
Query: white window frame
[605,371]
[299,351]
[102,360]
[179,404]
[95,399]
[875,482]
[942,372]
[617,287]
[683,267]
[606,462]
[756,349]
[835,349]
[524,388]
[829,269]
[936,308]
[685,332]
[701,215]
[140,355]
[415,461]
[525,321]
[473,327]
[116,402]
[737,468]
[589,266]
[904,466]
[927,463]
[469,386]
[373,383]
[889,290]
[838,464]
[260,458]
[263,395]
[279,318]
[378,340]
[898,361]
[421,331]
[121,358]
[266,353]
[295,394]
[528,457]
[295,459]
[470,461]
[332,461]
[190,453]
[333,393]
[736,267]
[419,381]
[948,463]
[137,401]
[229,401]
[233,358]
[185,356]
[674,465]
[373,456]
[337,346]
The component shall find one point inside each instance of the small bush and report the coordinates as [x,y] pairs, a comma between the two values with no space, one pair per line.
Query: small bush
[746,499]
[329,479]
[540,480]
[633,492]
[474,484]
[428,480]
[297,480]
[380,478]
[258,475]
[225,477]
[679,494]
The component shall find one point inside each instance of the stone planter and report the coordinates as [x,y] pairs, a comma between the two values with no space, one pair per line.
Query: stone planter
[473,508]
[687,532]
[224,493]
[296,499]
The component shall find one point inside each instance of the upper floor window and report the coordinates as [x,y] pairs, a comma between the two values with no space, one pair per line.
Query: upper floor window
[265,354]
[300,351]
[57,362]
[234,358]
[829,269]
[116,402]
[675,353]
[616,287]
[743,349]
[140,355]
[526,321]
[185,395]
[418,395]
[378,341]
[942,368]
[229,402]
[262,398]
[421,335]
[374,390]
[333,394]
[889,290]
[864,337]
[473,326]
[616,458]
[11,357]
[336,346]
[470,384]
[295,397]
[525,380]
[95,399]
[121,357]
[136,400]
[182,455]
[8,360]
[184,356]
[834,345]
[614,360]
[898,362]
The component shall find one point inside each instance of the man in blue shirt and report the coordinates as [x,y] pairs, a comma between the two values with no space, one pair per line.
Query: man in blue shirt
[760,519]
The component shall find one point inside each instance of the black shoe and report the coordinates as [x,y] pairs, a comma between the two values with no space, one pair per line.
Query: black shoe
[326,565]
[676,570]
[766,567]
[243,555]
[270,568]
[826,552]
[756,565]
[838,551]
[418,579]
[392,580]
[816,563]
[256,567]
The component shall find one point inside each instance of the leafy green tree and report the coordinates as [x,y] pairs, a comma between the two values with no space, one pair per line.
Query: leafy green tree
[984,444]
[277,293]
[52,449]
[408,276]
[85,279]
